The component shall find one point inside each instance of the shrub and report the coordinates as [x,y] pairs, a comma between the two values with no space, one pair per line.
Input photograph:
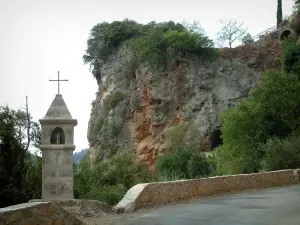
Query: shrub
[105,38]
[247,39]
[291,55]
[295,23]
[167,176]
[96,129]
[156,43]
[198,166]
[184,135]
[110,179]
[256,119]
[175,162]
[113,99]
[281,153]
[109,194]
[183,42]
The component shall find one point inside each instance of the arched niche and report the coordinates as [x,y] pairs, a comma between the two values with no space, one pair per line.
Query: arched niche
[216,139]
[286,33]
[57,136]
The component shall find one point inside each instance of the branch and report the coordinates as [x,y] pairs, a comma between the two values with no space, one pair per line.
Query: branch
[28,125]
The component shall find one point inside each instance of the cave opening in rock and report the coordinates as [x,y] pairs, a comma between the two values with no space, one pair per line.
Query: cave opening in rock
[216,139]
[285,34]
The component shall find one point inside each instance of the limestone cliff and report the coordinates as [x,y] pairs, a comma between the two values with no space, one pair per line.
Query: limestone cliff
[135,104]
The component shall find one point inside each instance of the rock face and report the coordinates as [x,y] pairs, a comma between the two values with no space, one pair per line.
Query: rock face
[136,104]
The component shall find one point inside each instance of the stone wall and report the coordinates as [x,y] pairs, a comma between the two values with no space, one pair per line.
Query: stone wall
[150,194]
[37,213]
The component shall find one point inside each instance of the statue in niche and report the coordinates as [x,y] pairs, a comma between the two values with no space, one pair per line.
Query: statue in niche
[57,138]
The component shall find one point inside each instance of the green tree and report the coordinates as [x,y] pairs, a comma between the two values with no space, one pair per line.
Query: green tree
[17,131]
[198,166]
[109,180]
[176,162]
[290,56]
[103,40]
[247,39]
[296,5]
[279,12]
[281,153]
[156,43]
[253,121]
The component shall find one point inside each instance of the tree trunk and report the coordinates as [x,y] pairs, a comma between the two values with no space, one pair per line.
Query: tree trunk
[27,126]
[279,13]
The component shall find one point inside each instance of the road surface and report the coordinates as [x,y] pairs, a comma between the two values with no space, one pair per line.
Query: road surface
[277,206]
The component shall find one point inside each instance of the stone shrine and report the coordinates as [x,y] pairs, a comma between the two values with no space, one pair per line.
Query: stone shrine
[57,150]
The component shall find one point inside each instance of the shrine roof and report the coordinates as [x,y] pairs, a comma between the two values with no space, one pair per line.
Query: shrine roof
[58,109]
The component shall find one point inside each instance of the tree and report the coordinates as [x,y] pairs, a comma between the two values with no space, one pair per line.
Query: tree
[231,31]
[279,13]
[296,5]
[247,39]
[255,120]
[17,131]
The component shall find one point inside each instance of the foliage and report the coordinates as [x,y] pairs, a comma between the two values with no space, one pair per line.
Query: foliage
[111,194]
[156,43]
[230,32]
[174,162]
[96,129]
[167,176]
[113,99]
[165,41]
[295,24]
[291,55]
[182,42]
[183,163]
[109,131]
[296,5]
[34,178]
[198,166]
[184,135]
[104,38]
[282,153]
[255,120]
[247,39]
[18,173]
[110,179]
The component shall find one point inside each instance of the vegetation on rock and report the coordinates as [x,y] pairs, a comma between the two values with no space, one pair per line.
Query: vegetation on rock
[249,128]
[156,43]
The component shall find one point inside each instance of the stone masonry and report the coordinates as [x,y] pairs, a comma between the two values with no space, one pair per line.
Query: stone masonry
[57,150]
[38,213]
[151,194]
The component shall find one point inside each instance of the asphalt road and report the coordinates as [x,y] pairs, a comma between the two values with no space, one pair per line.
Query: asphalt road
[277,206]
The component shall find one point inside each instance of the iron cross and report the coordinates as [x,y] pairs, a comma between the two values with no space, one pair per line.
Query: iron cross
[58,80]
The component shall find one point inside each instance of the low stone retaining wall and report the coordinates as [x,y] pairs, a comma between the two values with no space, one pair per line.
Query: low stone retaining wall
[150,194]
[43,213]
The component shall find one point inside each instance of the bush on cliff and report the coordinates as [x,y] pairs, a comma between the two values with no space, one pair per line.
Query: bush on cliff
[271,110]
[291,55]
[156,43]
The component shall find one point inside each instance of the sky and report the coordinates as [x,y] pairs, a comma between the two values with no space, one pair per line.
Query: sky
[39,38]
